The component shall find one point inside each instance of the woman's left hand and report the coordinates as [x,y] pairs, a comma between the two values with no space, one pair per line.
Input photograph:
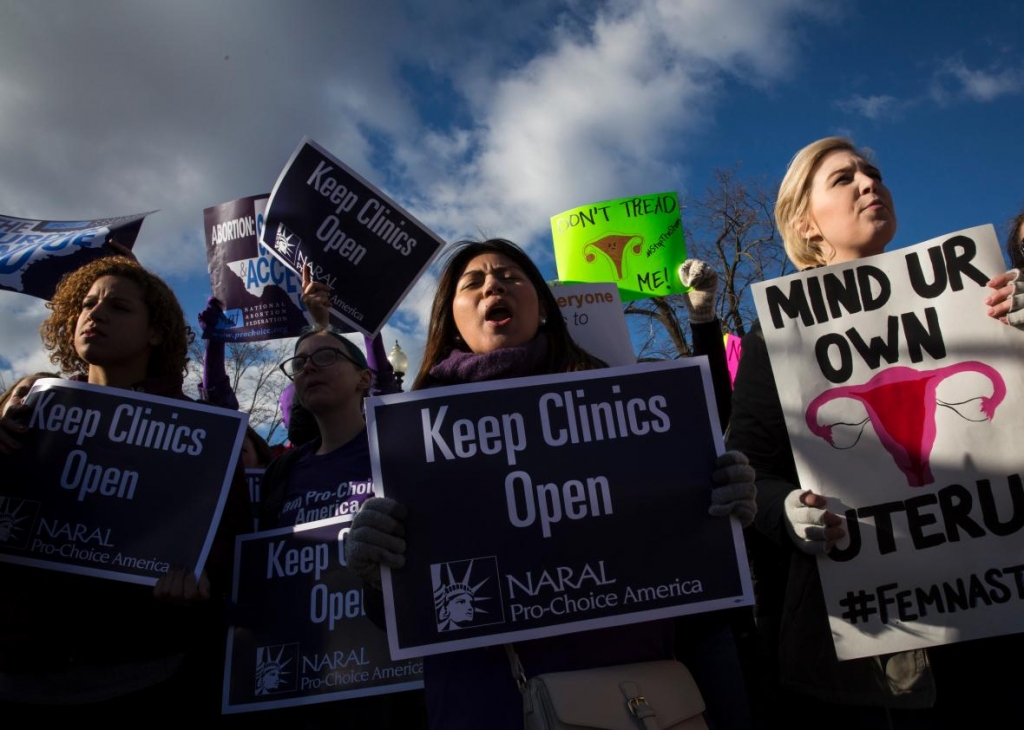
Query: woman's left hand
[734,492]
[1007,295]
[316,297]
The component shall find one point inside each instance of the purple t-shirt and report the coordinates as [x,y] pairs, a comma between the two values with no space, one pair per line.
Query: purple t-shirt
[328,485]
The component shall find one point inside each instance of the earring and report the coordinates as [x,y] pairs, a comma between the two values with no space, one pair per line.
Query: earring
[458,337]
[543,321]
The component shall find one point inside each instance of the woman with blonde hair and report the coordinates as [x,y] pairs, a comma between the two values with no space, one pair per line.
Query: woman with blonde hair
[833,207]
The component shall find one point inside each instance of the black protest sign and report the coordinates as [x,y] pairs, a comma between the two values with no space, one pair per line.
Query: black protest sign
[35,254]
[547,505]
[262,297]
[116,484]
[306,637]
[358,241]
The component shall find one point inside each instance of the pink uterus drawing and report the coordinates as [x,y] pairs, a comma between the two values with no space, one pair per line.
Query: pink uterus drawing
[901,406]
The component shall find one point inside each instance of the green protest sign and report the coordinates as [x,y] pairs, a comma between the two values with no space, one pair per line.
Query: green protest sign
[635,243]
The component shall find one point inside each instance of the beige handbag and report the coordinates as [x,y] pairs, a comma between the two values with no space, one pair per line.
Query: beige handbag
[645,696]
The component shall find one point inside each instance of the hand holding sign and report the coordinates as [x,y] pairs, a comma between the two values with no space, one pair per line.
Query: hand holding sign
[1007,295]
[734,492]
[179,585]
[376,538]
[812,528]
[315,297]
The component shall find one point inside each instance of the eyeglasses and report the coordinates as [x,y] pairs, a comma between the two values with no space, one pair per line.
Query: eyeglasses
[322,358]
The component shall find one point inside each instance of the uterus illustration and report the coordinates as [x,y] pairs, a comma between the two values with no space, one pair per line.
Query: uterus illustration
[613,248]
[901,405]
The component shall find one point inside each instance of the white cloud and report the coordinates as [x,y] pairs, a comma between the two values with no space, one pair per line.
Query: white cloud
[875,107]
[955,80]
[479,119]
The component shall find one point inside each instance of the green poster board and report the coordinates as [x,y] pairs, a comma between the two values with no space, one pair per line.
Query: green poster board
[635,243]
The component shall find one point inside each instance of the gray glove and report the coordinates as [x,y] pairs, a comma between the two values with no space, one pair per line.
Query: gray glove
[806,524]
[376,537]
[700,300]
[734,492]
[1015,316]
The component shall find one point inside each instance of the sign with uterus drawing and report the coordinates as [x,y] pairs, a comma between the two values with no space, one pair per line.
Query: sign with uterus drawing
[635,243]
[903,402]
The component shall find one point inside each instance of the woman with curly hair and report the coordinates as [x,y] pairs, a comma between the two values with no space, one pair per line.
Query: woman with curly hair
[78,647]
[117,324]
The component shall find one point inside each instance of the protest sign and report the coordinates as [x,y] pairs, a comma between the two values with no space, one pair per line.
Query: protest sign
[35,254]
[902,400]
[635,243]
[116,484]
[262,297]
[357,241]
[593,314]
[307,638]
[553,504]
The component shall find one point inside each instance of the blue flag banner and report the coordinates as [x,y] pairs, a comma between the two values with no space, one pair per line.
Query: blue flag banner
[306,638]
[35,254]
[548,505]
[357,240]
[116,484]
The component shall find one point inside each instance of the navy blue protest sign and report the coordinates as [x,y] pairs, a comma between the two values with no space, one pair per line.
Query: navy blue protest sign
[116,484]
[358,241]
[548,505]
[262,297]
[35,254]
[306,638]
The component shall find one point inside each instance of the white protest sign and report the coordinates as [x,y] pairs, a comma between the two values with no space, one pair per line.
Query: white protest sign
[593,314]
[903,401]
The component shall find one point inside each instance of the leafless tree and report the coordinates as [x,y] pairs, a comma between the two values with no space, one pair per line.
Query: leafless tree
[732,228]
[255,378]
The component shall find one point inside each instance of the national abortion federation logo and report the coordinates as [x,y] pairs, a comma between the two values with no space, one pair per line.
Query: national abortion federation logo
[465,593]
[275,669]
[16,518]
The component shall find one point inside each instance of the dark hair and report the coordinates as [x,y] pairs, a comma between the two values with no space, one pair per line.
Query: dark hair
[31,376]
[259,444]
[1014,245]
[564,355]
[166,359]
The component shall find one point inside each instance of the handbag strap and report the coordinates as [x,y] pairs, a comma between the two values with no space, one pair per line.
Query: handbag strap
[516,667]
[638,706]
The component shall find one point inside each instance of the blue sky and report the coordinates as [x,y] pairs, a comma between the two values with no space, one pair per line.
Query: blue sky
[488,118]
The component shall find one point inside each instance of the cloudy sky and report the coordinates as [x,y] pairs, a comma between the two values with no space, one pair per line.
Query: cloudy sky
[488,118]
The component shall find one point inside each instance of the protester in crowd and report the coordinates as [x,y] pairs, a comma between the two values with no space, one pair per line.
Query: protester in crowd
[466,344]
[832,208]
[332,377]
[1006,302]
[16,394]
[215,387]
[256,452]
[81,649]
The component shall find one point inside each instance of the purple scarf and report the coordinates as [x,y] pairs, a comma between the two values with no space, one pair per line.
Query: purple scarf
[509,362]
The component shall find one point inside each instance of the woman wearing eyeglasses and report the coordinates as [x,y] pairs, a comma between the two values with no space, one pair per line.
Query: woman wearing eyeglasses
[330,476]
[1006,302]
